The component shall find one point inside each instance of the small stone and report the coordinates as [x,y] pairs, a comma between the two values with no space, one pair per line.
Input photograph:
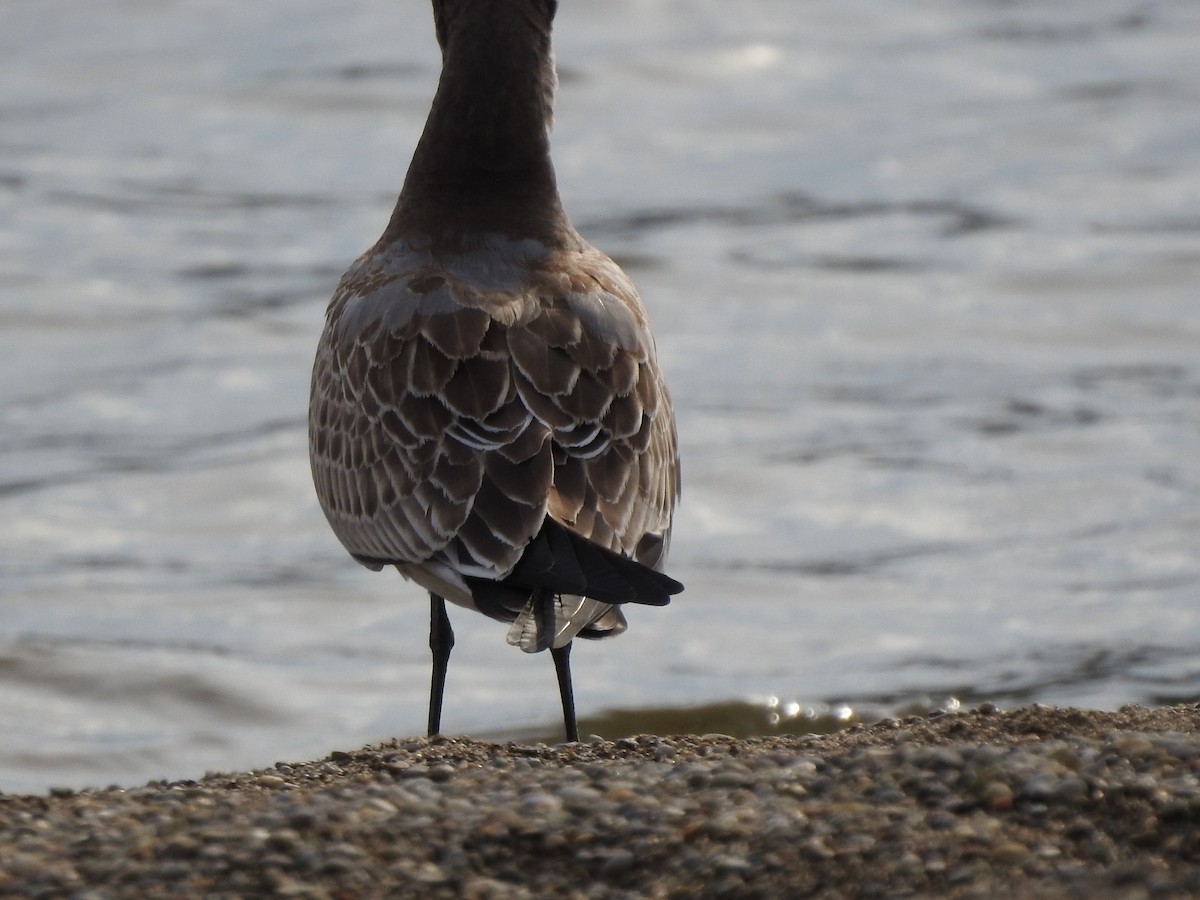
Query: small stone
[416,770]
[1067,758]
[542,802]
[285,840]
[380,807]
[429,873]
[997,796]
[1133,746]
[1010,853]
[579,798]
[817,848]
[732,863]
[1072,789]
[618,861]
[725,825]
[1041,787]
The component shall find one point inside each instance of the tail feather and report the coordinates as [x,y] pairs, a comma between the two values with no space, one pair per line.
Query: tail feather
[564,562]
[557,564]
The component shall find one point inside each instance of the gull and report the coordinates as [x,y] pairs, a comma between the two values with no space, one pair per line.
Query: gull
[487,414]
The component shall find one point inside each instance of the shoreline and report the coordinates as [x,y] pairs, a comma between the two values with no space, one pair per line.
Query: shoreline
[1034,802]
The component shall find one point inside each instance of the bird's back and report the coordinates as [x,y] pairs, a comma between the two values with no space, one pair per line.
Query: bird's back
[469,403]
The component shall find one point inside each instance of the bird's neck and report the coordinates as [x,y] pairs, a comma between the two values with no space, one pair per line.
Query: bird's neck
[482,165]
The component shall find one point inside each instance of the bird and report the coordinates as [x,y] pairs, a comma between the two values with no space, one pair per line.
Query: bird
[487,413]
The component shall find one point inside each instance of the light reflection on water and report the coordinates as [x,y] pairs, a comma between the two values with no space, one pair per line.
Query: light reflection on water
[924,285]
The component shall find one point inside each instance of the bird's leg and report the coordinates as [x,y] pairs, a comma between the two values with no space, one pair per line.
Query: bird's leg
[441,641]
[562,666]
[544,603]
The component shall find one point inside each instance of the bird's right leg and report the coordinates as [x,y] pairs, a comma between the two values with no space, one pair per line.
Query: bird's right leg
[441,641]
[562,666]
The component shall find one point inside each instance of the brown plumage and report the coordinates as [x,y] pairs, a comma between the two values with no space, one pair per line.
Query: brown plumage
[487,413]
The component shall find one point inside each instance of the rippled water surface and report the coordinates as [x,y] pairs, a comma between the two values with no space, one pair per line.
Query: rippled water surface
[926,280]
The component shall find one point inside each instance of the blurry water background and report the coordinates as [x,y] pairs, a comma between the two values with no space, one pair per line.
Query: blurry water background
[926,281]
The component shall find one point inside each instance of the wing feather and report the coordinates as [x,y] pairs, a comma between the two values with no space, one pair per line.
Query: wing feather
[454,408]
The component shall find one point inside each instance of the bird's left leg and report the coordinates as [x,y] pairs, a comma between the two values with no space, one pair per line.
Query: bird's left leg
[441,642]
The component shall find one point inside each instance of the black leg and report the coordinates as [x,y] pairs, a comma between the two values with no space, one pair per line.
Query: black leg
[441,641]
[562,666]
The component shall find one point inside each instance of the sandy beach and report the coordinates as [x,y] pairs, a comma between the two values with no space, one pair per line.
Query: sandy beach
[1033,802]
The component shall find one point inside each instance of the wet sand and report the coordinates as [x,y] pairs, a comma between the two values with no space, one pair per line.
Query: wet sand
[1035,802]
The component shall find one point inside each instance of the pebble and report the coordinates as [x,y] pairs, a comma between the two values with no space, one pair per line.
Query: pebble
[1009,853]
[976,803]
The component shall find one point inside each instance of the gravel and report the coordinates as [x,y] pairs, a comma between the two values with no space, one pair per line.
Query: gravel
[1035,802]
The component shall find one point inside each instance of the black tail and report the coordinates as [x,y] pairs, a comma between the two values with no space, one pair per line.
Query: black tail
[563,562]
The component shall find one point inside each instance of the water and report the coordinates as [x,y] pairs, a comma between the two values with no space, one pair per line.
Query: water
[924,277]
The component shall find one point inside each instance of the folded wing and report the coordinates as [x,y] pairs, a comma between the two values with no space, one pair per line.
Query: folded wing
[493,435]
